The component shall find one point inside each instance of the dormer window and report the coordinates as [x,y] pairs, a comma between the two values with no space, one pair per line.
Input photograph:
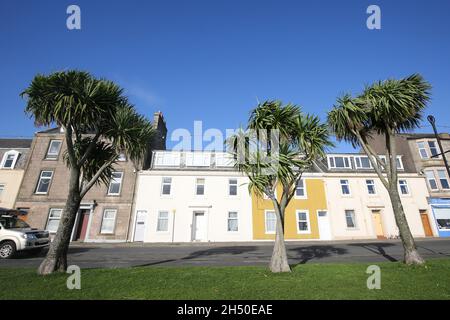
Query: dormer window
[9,159]
[339,162]
[53,149]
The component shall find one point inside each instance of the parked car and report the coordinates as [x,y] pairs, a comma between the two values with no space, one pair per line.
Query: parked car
[17,235]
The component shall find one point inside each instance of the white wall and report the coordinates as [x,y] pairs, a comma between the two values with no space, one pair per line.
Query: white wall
[182,202]
[363,204]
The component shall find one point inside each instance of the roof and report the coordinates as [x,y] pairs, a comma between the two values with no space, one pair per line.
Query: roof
[15,143]
[424,135]
[51,130]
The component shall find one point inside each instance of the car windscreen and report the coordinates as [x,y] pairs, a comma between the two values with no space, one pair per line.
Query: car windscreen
[13,223]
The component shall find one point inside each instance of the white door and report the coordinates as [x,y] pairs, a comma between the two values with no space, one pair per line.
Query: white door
[139,230]
[324,225]
[199,226]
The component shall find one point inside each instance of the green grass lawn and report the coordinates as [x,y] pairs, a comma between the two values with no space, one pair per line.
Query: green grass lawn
[310,281]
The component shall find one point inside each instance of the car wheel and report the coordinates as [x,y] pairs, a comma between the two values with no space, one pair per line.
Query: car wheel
[7,249]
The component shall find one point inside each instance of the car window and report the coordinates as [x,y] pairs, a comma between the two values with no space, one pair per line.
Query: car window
[13,223]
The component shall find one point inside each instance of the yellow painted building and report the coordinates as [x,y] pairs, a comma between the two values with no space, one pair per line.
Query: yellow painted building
[301,216]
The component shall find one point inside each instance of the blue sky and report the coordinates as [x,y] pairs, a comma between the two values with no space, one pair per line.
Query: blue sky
[211,60]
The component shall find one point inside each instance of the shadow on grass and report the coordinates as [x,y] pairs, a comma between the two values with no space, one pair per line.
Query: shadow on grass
[377,248]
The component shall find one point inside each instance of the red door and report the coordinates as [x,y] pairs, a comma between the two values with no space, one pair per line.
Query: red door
[82,225]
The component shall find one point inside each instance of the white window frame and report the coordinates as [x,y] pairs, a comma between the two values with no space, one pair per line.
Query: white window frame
[122,157]
[305,194]
[53,156]
[355,222]
[197,184]
[40,179]
[308,231]
[435,147]
[424,148]
[371,184]
[445,178]
[266,212]
[167,159]
[399,159]
[334,162]
[15,154]
[400,189]
[166,183]
[114,180]
[233,184]
[108,219]
[431,178]
[229,219]
[348,185]
[52,218]
[224,160]
[358,159]
[198,159]
[159,219]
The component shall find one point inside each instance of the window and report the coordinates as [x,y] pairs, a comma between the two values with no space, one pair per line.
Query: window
[271,222]
[431,180]
[9,159]
[422,150]
[198,159]
[122,157]
[163,221]
[300,189]
[200,186]
[2,190]
[350,219]
[363,162]
[371,186]
[224,160]
[403,187]
[443,179]
[345,187]
[115,184]
[109,221]
[53,220]
[442,217]
[167,159]
[398,161]
[53,149]
[166,186]
[232,187]
[433,148]
[336,162]
[233,221]
[44,182]
[302,222]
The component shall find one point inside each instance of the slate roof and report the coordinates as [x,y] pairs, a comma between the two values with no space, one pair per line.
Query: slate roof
[15,143]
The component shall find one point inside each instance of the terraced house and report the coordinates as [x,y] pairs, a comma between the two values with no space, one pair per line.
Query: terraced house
[192,196]
[105,212]
[13,160]
[422,153]
[360,206]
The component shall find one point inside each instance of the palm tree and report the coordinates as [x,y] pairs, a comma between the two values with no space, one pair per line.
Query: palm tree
[386,108]
[99,124]
[280,144]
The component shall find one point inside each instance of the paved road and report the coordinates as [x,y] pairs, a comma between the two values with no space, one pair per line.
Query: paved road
[233,254]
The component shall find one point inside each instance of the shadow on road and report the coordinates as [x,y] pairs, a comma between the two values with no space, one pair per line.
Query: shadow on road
[377,248]
[222,251]
[315,252]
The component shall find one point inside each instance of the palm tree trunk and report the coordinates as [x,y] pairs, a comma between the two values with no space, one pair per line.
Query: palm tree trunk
[56,259]
[411,255]
[279,261]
